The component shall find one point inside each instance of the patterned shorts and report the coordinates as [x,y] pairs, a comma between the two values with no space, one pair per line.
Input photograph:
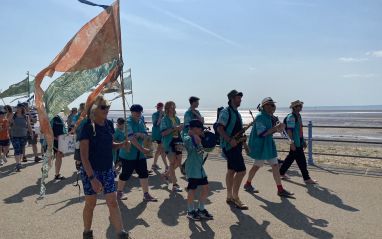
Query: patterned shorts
[105,177]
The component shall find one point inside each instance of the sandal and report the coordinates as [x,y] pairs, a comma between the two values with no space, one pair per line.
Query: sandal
[239,204]
[229,200]
[59,177]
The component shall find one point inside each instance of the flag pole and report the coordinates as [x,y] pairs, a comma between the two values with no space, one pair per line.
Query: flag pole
[132,92]
[29,91]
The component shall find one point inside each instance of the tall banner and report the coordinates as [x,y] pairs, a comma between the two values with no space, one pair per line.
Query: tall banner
[19,89]
[95,48]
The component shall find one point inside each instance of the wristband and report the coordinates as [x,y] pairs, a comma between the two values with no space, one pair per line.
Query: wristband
[91,177]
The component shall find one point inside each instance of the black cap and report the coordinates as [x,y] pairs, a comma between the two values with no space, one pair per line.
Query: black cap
[196,124]
[136,108]
[20,105]
[234,93]
[120,121]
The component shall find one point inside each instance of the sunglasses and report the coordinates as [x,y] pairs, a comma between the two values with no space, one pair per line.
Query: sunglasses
[272,105]
[104,107]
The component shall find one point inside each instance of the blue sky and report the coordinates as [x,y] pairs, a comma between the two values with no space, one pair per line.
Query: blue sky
[320,51]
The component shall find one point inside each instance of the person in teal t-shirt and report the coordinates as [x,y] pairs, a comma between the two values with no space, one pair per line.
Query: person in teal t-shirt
[191,114]
[157,137]
[172,142]
[298,144]
[119,136]
[196,176]
[135,158]
[262,147]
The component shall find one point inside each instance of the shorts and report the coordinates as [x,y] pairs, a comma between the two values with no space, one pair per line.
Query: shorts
[193,183]
[55,146]
[18,145]
[176,146]
[235,160]
[77,155]
[32,140]
[105,177]
[260,162]
[4,142]
[128,167]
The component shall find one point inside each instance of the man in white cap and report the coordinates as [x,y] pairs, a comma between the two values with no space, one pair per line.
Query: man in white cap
[294,126]
[262,147]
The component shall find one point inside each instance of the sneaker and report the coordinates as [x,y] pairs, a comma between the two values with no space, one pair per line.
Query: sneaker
[239,204]
[204,214]
[24,159]
[155,167]
[150,172]
[87,235]
[285,177]
[37,159]
[285,193]
[121,195]
[310,181]
[1,162]
[193,215]
[148,198]
[177,188]
[5,160]
[249,188]
[18,167]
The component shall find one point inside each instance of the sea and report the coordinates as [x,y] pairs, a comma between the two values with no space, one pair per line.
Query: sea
[343,116]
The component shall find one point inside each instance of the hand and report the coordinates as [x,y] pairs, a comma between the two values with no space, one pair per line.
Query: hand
[96,185]
[293,147]
[146,151]
[280,127]
[233,143]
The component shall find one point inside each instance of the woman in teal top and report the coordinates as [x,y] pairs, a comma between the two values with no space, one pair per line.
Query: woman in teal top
[172,143]
[157,137]
[262,147]
[135,159]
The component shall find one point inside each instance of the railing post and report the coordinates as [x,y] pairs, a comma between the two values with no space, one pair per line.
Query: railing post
[310,143]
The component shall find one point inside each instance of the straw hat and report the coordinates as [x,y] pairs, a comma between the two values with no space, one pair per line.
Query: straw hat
[296,103]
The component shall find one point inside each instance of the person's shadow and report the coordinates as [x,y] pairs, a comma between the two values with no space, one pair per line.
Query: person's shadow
[247,227]
[286,212]
[171,208]
[130,218]
[9,169]
[327,196]
[52,187]
[200,231]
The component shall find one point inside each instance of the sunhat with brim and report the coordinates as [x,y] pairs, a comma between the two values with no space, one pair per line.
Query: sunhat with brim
[267,100]
[296,103]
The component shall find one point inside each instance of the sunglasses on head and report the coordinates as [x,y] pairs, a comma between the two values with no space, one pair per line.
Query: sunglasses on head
[104,107]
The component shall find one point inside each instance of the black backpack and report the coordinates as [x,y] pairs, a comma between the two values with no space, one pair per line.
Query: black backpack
[216,124]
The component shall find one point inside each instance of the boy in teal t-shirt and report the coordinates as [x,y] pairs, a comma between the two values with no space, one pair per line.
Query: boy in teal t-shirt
[196,176]
[157,137]
[118,137]
[135,159]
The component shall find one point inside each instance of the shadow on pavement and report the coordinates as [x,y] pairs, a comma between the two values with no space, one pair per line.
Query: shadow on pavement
[200,231]
[52,187]
[287,213]
[130,218]
[247,227]
[327,196]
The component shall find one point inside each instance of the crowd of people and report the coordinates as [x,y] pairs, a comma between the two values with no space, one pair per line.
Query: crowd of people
[104,152]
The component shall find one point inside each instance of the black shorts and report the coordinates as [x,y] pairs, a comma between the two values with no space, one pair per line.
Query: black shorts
[193,183]
[128,167]
[5,142]
[77,155]
[235,160]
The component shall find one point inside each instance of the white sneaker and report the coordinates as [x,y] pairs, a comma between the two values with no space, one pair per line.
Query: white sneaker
[5,160]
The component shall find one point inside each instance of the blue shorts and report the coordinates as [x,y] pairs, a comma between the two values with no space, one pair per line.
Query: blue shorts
[105,177]
[18,144]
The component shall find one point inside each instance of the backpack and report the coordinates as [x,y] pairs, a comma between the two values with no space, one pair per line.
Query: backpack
[295,119]
[216,124]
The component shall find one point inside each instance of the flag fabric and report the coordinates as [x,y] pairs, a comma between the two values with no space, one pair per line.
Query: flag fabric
[128,82]
[72,85]
[112,87]
[94,51]
[19,89]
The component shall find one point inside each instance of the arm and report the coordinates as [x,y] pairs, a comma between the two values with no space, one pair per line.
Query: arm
[226,137]
[84,149]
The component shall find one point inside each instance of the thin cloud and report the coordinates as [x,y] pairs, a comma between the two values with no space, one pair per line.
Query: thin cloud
[194,25]
[374,53]
[358,76]
[352,59]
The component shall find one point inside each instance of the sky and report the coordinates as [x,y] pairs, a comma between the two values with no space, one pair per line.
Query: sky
[323,52]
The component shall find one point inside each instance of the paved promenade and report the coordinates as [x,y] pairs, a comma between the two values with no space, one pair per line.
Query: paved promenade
[346,204]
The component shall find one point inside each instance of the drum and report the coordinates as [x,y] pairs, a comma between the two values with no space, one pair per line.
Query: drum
[148,144]
[208,141]
[177,145]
